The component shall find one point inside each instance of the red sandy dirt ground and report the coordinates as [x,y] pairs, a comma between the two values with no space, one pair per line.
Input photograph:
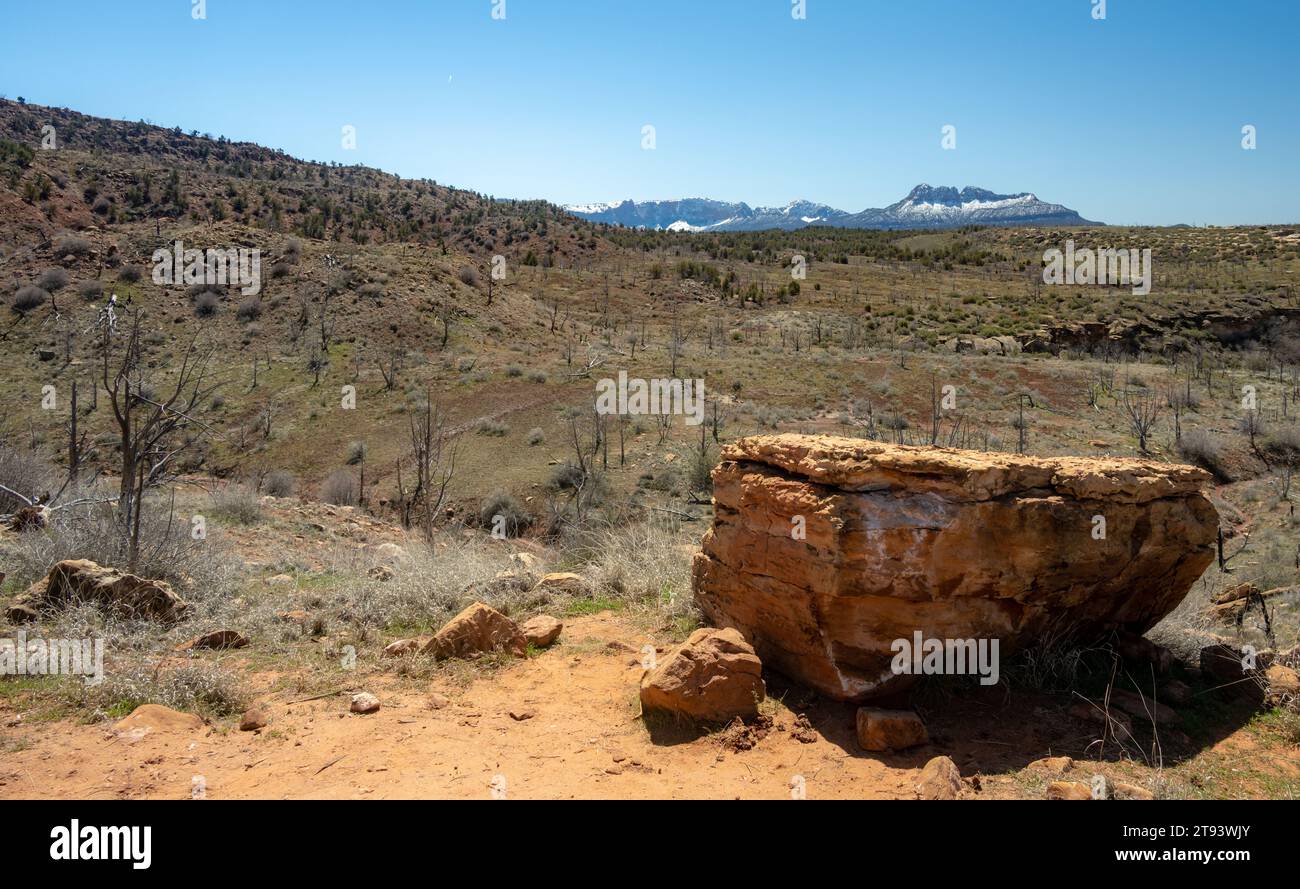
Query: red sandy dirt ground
[585,741]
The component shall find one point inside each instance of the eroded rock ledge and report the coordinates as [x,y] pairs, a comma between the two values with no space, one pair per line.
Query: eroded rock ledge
[955,544]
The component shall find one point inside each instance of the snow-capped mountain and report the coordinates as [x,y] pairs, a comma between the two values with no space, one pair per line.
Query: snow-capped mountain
[925,206]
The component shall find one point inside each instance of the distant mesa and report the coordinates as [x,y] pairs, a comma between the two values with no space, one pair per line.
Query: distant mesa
[925,207]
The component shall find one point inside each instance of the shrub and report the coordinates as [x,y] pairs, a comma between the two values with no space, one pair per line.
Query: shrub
[357,451]
[129,274]
[536,436]
[249,308]
[28,298]
[567,477]
[25,473]
[53,280]
[71,244]
[1205,449]
[280,483]
[340,488]
[513,517]
[197,686]
[91,291]
[469,276]
[237,503]
[205,304]
[494,428]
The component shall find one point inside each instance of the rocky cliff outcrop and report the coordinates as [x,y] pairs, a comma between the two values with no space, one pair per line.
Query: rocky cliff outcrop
[824,551]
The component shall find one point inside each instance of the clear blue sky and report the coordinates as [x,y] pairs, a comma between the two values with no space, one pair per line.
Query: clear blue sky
[1133,119]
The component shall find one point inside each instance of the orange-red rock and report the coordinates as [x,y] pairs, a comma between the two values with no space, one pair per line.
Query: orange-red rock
[956,544]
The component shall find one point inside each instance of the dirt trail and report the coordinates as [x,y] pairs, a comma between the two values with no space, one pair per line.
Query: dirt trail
[582,740]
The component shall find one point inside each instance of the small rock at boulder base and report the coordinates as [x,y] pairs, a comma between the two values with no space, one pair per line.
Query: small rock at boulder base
[885,731]
[1068,790]
[401,647]
[157,718]
[541,631]
[1176,692]
[216,640]
[1227,670]
[81,580]
[1140,651]
[477,630]
[1144,707]
[364,702]
[959,545]
[381,573]
[940,779]
[253,719]
[712,677]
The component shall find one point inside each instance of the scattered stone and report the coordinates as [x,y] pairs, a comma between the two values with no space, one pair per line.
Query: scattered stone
[1052,765]
[1114,723]
[381,573]
[527,561]
[1124,790]
[30,518]
[803,732]
[940,779]
[1225,667]
[712,677]
[253,720]
[886,731]
[968,544]
[739,736]
[401,647]
[1283,685]
[477,630]
[438,701]
[80,580]
[293,616]
[1068,790]
[156,718]
[562,583]
[391,552]
[1177,692]
[519,715]
[1143,707]
[541,631]
[280,580]
[1140,651]
[217,640]
[364,702]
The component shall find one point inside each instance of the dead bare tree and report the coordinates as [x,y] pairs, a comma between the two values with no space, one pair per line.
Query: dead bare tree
[433,454]
[153,430]
[1142,410]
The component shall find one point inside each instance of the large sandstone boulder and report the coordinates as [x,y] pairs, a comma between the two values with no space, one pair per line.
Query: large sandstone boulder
[954,544]
[80,580]
[712,677]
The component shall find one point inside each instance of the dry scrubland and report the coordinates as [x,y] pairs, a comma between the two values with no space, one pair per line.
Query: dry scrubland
[384,284]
